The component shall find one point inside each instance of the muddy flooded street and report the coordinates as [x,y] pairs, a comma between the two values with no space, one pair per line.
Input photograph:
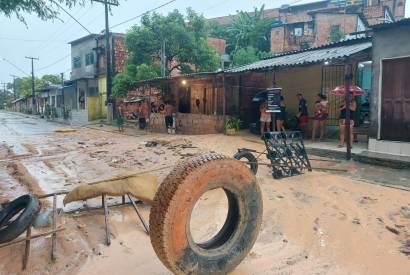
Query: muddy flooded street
[317,223]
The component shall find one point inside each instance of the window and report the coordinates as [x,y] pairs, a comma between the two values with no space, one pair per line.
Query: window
[334,29]
[76,62]
[89,58]
[297,31]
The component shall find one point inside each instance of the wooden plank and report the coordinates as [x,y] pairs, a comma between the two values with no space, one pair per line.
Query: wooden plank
[32,237]
[54,236]
[107,224]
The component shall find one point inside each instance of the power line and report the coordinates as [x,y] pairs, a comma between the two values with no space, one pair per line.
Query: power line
[29,40]
[12,64]
[142,14]
[55,62]
[71,16]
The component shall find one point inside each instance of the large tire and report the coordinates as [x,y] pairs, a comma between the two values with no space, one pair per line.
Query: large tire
[249,157]
[30,206]
[173,204]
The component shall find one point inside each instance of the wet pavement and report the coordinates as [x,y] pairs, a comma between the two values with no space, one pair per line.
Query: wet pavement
[32,154]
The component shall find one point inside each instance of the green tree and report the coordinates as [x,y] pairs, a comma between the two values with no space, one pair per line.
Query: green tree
[184,38]
[45,10]
[53,79]
[245,30]
[245,56]
[146,71]
[121,84]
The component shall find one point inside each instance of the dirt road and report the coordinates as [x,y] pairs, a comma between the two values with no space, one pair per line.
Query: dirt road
[318,223]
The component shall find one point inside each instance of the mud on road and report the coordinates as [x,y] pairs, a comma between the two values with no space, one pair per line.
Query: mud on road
[318,223]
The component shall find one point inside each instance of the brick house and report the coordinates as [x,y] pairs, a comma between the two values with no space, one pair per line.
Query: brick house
[313,24]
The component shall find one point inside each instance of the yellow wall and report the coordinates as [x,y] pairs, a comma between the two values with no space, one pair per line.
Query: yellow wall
[304,80]
[102,91]
[94,108]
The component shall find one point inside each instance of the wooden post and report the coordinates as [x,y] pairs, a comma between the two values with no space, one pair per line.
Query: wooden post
[107,225]
[348,78]
[54,236]
[27,248]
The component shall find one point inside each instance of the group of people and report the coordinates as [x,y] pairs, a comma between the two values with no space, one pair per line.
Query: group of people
[321,114]
[142,115]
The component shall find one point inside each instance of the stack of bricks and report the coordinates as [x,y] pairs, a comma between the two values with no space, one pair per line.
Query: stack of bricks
[189,124]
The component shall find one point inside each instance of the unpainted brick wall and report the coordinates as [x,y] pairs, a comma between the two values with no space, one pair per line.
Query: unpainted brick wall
[189,124]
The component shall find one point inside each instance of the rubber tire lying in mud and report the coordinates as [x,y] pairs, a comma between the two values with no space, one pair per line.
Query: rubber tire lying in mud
[173,204]
[249,158]
[30,206]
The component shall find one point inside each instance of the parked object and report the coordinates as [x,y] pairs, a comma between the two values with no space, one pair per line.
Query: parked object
[140,186]
[27,208]
[286,152]
[173,204]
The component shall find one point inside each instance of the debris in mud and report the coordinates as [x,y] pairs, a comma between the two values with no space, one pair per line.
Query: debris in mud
[102,143]
[405,248]
[65,130]
[367,200]
[405,211]
[393,230]
[356,221]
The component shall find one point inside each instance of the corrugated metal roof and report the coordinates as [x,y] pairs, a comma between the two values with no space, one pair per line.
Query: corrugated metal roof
[305,57]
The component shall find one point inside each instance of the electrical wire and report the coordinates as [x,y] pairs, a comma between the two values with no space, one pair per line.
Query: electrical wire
[12,64]
[30,40]
[54,63]
[142,14]
[72,17]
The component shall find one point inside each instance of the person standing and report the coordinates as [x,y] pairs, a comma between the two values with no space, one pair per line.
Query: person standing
[303,115]
[342,120]
[265,119]
[169,120]
[143,114]
[280,117]
[120,118]
[321,114]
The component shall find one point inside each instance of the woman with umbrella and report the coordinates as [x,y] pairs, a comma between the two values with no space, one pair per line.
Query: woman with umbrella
[353,91]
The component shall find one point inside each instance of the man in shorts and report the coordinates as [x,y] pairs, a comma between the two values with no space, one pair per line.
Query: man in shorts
[169,120]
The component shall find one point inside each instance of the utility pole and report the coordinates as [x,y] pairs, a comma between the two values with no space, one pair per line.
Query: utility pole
[14,85]
[108,70]
[3,98]
[163,58]
[33,84]
[62,89]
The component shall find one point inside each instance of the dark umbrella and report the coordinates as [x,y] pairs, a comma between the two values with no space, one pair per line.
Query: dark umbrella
[261,96]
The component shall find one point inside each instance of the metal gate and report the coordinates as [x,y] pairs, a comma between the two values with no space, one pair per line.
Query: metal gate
[332,76]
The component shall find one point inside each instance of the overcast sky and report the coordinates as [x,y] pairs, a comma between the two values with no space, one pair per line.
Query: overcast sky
[47,40]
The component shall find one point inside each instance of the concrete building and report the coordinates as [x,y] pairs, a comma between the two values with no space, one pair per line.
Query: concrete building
[390,101]
[88,74]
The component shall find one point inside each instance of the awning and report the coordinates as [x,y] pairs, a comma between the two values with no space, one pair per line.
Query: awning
[309,56]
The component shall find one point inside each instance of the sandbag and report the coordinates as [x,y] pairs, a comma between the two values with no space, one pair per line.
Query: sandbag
[140,186]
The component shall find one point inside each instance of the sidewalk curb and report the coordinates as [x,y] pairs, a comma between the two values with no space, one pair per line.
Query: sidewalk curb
[362,157]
